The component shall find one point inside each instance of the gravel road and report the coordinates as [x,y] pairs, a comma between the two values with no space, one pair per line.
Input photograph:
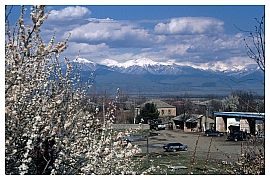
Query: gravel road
[220,148]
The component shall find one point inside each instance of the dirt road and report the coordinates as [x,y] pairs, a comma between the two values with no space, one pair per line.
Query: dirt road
[220,149]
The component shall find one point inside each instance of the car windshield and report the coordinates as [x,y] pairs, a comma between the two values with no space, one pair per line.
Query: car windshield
[174,144]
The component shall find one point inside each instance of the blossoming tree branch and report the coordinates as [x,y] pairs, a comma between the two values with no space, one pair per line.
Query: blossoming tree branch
[48,128]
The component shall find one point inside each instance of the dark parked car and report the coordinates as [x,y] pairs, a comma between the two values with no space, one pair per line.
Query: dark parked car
[175,147]
[211,132]
[238,136]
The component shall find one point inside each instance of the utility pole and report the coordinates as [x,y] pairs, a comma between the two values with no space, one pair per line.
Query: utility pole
[147,144]
[103,111]
[206,116]
[147,149]
[135,113]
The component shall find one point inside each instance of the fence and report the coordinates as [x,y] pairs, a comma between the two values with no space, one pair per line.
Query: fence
[131,126]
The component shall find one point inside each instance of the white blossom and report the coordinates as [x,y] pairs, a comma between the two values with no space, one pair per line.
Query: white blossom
[45,109]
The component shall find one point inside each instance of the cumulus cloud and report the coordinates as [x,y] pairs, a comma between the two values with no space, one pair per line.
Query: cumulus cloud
[86,48]
[190,25]
[69,13]
[109,62]
[202,48]
[178,49]
[229,42]
[238,62]
[231,64]
[195,41]
[114,33]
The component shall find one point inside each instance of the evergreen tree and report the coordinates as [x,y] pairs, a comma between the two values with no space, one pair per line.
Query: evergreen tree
[148,112]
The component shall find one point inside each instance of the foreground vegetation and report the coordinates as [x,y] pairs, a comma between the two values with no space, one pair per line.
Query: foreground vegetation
[49,128]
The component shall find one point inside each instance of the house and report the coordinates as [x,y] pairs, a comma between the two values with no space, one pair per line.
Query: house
[206,122]
[252,123]
[187,123]
[193,122]
[165,110]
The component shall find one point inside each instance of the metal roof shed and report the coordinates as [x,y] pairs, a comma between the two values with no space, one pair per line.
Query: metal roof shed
[248,121]
[241,114]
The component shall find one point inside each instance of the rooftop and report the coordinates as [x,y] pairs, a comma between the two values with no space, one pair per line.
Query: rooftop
[187,118]
[158,103]
[240,114]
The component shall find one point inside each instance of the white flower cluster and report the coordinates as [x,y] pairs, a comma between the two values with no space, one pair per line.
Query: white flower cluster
[49,129]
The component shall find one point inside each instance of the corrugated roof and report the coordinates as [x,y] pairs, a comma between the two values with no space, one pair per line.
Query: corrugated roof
[240,114]
[190,118]
[158,103]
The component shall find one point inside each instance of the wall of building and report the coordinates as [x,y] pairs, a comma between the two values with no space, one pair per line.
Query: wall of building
[244,125]
[191,127]
[220,124]
[206,123]
[165,112]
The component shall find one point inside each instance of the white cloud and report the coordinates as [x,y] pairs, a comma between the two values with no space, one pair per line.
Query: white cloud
[205,47]
[228,42]
[238,63]
[190,25]
[85,48]
[99,31]
[119,56]
[109,62]
[69,13]
[114,33]
[178,49]
[196,41]
[89,51]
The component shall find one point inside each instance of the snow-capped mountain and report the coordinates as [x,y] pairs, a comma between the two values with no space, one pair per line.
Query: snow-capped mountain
[83,61]
[86,64]
[146,75]
[148,66]
[145,66]
[156,69]
[144,62]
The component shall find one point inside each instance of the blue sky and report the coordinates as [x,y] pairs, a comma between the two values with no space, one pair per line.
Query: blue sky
[229,14]
[189,35]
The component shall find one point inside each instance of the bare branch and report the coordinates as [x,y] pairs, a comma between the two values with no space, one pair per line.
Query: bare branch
[256,46]
[7,14]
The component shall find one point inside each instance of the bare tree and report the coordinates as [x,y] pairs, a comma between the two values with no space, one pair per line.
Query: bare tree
[255,43]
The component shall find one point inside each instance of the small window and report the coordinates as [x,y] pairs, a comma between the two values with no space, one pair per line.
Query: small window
[162,112]
[169,111]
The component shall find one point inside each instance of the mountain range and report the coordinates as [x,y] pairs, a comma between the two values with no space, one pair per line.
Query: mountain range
[145,76]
